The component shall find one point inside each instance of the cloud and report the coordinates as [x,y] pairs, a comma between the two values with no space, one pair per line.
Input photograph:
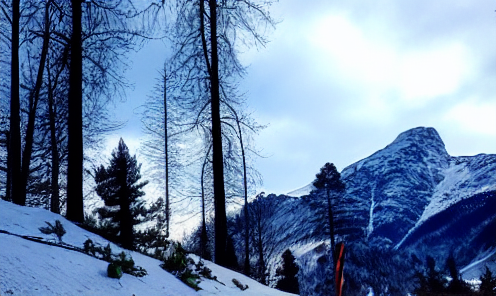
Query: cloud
[473,116]
[358,74]
[428,74]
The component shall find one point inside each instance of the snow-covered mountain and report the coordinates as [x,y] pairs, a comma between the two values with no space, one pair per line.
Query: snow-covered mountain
[413,179]
[30,268]
[411,196]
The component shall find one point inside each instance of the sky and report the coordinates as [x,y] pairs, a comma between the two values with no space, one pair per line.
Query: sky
[340,80]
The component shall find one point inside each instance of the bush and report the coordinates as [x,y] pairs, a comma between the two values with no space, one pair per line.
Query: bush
[114,271]
[121,260]
[179,264]
[58,229]
[177,261]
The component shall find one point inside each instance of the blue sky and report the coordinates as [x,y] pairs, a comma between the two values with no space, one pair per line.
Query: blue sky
[341,79]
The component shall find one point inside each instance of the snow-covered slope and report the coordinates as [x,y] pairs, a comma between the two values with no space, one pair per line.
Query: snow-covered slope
[30,268]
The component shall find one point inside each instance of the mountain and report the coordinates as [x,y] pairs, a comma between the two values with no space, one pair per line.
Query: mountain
[410,198]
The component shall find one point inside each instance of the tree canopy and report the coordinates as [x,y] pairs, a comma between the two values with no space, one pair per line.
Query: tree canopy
[119,187]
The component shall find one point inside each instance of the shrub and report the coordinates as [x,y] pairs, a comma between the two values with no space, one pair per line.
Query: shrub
[57,229]
[177,261]
[121,260]
[114,271]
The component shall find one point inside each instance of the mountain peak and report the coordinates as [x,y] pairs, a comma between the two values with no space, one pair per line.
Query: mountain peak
[427,136]
[424,133]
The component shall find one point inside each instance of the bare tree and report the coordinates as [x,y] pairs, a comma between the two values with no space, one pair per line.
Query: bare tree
[159,120]
[205,37]
[245,126]
[264,233]
[75,208]
[104,27]
[34,98]
[14,152]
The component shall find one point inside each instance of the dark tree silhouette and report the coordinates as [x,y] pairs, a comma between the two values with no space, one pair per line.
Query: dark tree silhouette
[457,285]
[431,281]
[329,180]
[14,151]
[118,186]
[75,210]
[488,284]
[288,273]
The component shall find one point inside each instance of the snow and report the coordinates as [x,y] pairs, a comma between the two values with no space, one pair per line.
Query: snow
[473,270]
[31,268]
[459,183]
[370,227]
[305,190]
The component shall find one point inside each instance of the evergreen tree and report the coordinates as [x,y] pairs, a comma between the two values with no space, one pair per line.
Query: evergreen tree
[288,273]
[431,282]
[329,179]
[488,284]
[118,186]
[457,286]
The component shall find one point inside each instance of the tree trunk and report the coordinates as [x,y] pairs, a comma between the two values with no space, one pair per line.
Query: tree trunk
[217,155]
[247,218]
[8,185]
[331,229]
[33,105]
[14,163]
[166,146]
[203,234]
[126,223]
[75,210]
[261,263]
[55,194]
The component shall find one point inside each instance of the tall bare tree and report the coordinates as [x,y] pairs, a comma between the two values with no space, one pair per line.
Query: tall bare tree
[14,152]
[34,98]
[159,120]
[75,209]
[206,36]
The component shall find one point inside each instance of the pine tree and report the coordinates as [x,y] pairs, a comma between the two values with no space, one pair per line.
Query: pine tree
[289,274]
[329,179]
[488,283]
[432,281]
[118,186]
[457,286]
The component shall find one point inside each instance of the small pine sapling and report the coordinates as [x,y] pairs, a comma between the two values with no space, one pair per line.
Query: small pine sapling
[107,253]
[57,229]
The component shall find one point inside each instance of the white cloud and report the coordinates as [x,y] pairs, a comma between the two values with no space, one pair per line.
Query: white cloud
[430,73]
[473,117]
[381,67]
[338,42]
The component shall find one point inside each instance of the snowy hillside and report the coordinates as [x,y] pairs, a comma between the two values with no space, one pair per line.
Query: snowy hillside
[31,268]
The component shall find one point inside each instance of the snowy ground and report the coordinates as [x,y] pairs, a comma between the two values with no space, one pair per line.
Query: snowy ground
[31,268]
